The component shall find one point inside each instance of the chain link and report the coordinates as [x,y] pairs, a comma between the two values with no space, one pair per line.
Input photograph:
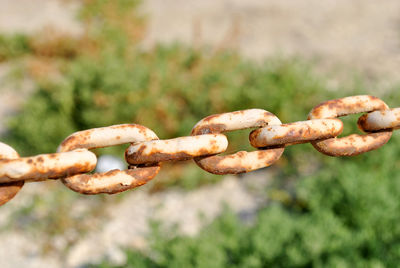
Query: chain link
[146,152]
[242,161]
[114,181]
[179,149]
[8,190]
[295,133]
[378,120]
[353,144]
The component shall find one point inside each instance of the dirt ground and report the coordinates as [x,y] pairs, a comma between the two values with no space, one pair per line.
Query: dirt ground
[363,35]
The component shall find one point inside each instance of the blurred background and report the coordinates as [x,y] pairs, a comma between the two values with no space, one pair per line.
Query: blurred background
[69,65]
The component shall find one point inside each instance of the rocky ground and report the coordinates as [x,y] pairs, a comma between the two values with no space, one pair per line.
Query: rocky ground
[339,35]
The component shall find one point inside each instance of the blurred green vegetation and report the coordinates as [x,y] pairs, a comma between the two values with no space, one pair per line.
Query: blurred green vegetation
[342,213]
[12,46]
[105,78]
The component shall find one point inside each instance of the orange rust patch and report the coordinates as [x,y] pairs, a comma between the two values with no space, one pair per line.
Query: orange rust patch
[9,190]
[346,146]
[41,172]
[76,141]
[268,114]
[211,117]
[155,156]
[209,129]
[67,141]
[140,176]
[214,164]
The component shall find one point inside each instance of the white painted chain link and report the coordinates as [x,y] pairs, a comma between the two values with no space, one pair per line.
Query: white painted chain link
[73,158]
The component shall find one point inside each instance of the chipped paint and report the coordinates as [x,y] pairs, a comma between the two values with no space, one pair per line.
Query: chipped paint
[354,144]
[116,180]
[241,161]
[179,149]
[47,166]
[111,182]
[346,106]
[107,136]
[295,133]
[380,120]
[205,143]
[219,123]
[8,190]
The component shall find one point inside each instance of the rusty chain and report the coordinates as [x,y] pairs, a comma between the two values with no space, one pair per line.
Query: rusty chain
[146,151]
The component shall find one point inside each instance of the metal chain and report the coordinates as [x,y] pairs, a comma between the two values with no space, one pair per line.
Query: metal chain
[146,152]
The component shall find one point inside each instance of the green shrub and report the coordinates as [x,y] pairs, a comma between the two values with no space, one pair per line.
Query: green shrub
[14,45]
[344,215]
[167,89]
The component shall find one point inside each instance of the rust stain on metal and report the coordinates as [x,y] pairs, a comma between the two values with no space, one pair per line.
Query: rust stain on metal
[74,142]
[380,120]
[209,129]
[295,133]
[146,152]
[8,190]
[178,149]
[241,161]
[346,106]
[111,182]
[155,157]
[47,166]
[211,117]
[107,136]
[353,144]
[236,120]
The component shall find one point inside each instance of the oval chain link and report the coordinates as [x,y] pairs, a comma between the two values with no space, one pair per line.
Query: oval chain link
[8,190]
[179,149]
[295,133]
[353,144]
[146,151]
[113,181]
[379,120]
[242,161]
